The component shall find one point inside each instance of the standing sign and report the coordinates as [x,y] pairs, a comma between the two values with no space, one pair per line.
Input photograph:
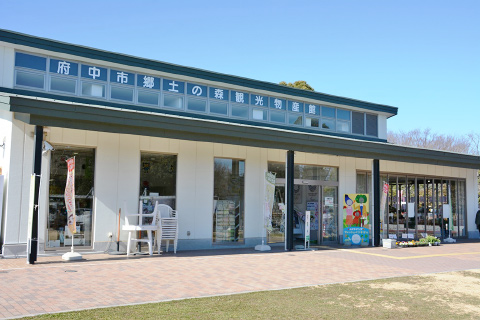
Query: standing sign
[70,196]
[383,201]
[356,219]
[307,229]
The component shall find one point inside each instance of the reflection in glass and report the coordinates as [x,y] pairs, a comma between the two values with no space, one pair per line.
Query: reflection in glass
[63,85]
[148,97]
[158,175]
[312,122]
[57,230]
[228,200]
[173,101]
[294,119]
[197,105]
[28,79]
[118,93]
[328,124]
[329,215]
[218,108]
[93,90]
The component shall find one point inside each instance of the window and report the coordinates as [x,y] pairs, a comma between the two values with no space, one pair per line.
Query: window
[148,97]
[121,93]
[158,177]
[172,101]
[197,105]
[93,89]
[30,79]
[219,108]
[358,122]
[277,117]
[228,200]
[259,114]
[240,111]
[372,125]
[63,85]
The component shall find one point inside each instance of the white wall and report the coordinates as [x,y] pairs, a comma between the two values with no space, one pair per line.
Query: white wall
[7,58]
[117,179]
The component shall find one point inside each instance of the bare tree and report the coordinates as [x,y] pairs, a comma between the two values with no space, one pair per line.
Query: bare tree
[427,139]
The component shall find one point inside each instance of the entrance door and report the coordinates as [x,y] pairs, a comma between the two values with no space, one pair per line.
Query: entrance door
[58,235]
[309,195]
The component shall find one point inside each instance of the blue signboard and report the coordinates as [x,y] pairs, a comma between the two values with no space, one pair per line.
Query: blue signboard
[144,81]
[122,77]
[64,67]
[94,73]
[31,62]
[278,104]
[218,93]
[173,86]
[357,235]
[196,90]
[239,97]
[312,109]
[295,106]
[258,100]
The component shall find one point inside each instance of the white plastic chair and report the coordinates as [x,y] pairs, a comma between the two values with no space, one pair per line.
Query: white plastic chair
[139,226]
[167,226]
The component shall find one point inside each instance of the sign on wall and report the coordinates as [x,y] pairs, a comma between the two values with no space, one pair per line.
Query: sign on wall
[356,219]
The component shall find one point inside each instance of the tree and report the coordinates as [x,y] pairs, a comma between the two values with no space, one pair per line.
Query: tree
[300,84]
[429,140]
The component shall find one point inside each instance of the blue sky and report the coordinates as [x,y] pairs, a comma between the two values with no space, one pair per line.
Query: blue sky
[420,56]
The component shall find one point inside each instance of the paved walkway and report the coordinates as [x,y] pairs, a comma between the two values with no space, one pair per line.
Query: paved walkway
[52,285]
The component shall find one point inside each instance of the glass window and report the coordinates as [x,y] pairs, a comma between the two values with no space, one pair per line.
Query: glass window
[173,101]
[219,108]
[343,126]
[28,79]
[32,62]
[343,114]
[63,85]
[93,89]
[58,235]
[358,123]
[308,172]
[197,105]
[148,98]
[295,119]
[362,183]
[372,125]
[158,178]
[119,93]
[328,112]
[228,200]
[240,111]
[312,122]
[259,114]
[277,168]
[328,124]
[277,117]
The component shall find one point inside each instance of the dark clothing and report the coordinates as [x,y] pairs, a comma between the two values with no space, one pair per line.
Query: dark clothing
[477,220]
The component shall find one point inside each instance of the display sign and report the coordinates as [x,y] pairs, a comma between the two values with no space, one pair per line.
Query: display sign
[356,219]
[329,201]
[70,195]
[269,199]
[307,228]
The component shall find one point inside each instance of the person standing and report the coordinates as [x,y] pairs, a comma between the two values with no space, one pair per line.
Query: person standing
[477,221]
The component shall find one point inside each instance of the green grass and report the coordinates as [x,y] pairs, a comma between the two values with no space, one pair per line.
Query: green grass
[437,296]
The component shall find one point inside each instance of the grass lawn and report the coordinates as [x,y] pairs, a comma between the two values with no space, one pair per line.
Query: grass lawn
[453,295]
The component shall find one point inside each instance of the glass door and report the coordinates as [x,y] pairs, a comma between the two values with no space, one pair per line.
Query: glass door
[58,235]
[329,214]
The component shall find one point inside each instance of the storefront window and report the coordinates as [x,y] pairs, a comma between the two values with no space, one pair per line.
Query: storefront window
[57,230]
[158,178]
[228,200]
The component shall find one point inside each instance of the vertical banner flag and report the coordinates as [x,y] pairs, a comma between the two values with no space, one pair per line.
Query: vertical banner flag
[356,219]
[269,198]
[383,201]
[70,195]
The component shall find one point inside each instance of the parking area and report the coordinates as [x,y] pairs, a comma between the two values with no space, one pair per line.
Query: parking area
[101,280]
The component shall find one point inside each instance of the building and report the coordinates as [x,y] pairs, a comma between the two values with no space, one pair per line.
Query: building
[202,142]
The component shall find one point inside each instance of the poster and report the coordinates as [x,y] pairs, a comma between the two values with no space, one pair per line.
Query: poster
[356,219]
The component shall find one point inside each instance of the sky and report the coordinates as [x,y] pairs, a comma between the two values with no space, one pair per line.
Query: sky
[422,57]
